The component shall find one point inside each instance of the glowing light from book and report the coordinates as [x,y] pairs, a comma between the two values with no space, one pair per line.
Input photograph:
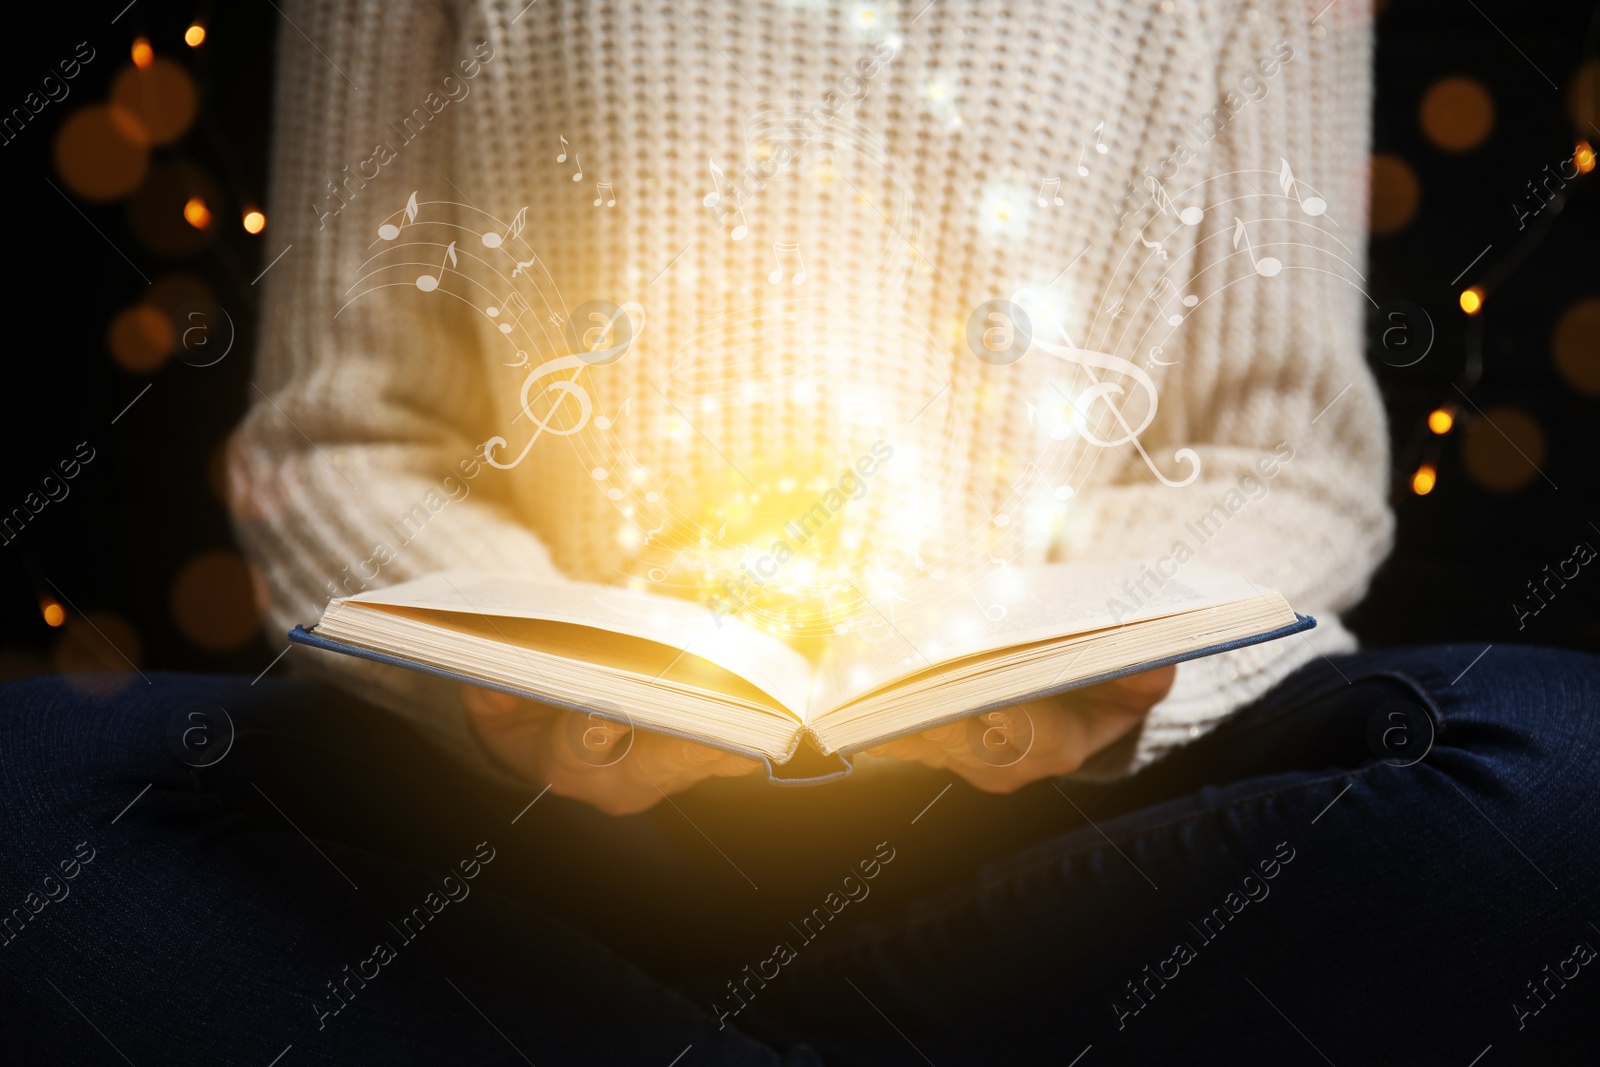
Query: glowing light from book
[54,614]
[194,36]
[196,213]
[1440,420]
[143,54]
[254,221]
[1424,480]
[1471,300]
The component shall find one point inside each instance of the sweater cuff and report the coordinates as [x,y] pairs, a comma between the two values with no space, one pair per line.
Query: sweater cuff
[1207,691]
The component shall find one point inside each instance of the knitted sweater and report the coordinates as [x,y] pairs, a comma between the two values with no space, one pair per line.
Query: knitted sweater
[926,197]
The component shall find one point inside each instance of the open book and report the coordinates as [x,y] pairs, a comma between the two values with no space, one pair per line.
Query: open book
[672,665]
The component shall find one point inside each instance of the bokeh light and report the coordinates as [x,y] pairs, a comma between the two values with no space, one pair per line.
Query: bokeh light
[254,221]
[1583,157]
[141,52]
[1395,193]
[1575,346]
[1424,480]
[54,614]
[1504,449]
[159,213]
[1456,114]
[1440,420]
[96,157]
[213,601]
[196,214]
[195,35]
[140,338]
[160,96]
[1472,300]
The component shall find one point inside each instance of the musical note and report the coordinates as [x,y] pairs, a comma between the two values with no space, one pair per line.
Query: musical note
[1001,519]
[493,240]
[1041,311]
[1054,186]
[1083,171]
[1154,352]
[555,318]
[1159,246]
[603,191]
[513,302]
[786,254]
[1189,216]
[1098,130]
[428,282]
[1266,266]
[521,360]
[659,574]
[1313,205]
[991,611]
[1189,299]
[601,422]
[562,158]
[524,265]
[600,474]
[578,161]
[563,388]
[654,529]
[714,198]
[1114,309]
[389,231]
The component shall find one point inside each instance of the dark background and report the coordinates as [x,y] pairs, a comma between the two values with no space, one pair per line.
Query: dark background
[140,554]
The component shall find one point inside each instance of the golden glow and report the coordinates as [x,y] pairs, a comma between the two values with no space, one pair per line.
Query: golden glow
[1424,480]
[1584,157]
[254,221]
[1440,420]
[197,214]
[1471,300]
[54,614]
[194,36]
[143,54]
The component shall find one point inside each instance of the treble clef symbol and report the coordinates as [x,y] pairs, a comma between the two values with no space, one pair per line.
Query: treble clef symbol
[1106,390]
[563,388]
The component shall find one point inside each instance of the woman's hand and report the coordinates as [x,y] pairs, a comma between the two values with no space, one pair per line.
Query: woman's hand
[618,770]
[1055,736]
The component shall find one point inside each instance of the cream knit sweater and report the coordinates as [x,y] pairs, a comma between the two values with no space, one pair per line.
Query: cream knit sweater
[927,205]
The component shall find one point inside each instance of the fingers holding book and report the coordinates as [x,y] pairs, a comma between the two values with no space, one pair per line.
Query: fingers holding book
[620,770]
[1002,751]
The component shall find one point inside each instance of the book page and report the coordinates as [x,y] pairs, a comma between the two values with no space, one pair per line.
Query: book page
[760,659]
[1012,606]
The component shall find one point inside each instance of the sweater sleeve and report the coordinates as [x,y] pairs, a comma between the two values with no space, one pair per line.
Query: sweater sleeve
[1284,415]
[356,465]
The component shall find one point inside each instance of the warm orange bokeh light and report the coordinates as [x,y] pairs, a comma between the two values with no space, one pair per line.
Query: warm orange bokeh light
[1584,157]
[1471,300]
[1441,420]
[197,214]
[254,221]
[156,99]
[142,53]
[194,36]
[54,614]
[1424,480]
[95,156]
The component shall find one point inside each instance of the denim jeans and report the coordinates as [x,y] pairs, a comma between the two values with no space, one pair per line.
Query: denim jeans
[1391,858]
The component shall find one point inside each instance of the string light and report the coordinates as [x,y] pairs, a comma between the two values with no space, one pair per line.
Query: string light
[197,214]
[1424,480]
[254,221]
[194,36]
[1471,300]
[143,54]
[54,614]
[1440,420]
